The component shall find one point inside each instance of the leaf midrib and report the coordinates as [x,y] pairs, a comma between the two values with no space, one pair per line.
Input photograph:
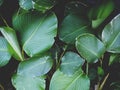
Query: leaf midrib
[74,80]
[32,34]
[88,49]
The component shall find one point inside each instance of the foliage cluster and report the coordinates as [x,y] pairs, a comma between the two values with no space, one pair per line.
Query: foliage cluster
[61,44]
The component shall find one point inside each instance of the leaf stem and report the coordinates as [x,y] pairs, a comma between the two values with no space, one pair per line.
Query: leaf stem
[4,21]
[1,87]
[103,83]
[87,68]
[58,64]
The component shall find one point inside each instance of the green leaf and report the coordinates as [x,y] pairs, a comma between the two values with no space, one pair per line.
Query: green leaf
[28,83]
[114,58]
[1,2]
[35,66]
[111,35]
[11,37]
[37,31]
[100,12]
[115,85]
[90,47]
[41,5]
[71,27]
[4,52]
[71,62]
[76,7]
[61,81]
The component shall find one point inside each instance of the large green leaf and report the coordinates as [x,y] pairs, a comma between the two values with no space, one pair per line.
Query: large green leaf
[100,12]
[71,62]
[4,52]
[90,47]
[11,37]
[37,31]
[111,35]
[71,27]
[61,81]
[28,83]
[35,66]
[41,5]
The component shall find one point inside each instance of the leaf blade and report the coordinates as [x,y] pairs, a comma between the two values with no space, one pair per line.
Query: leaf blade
[11,37]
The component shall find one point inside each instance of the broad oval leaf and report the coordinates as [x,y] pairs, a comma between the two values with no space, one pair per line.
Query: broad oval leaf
[71,27]
[35,66]
[71,62]
[111,35]
[11,37]
[4,52]
[37,31]
[41,5]
[28,83]
[90,47]
[61,81]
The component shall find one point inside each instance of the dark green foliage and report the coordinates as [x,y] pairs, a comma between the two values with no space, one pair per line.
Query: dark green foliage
[60,45]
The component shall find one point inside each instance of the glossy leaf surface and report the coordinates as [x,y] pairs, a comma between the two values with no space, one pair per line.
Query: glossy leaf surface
[111,35]
[71,27]
[4,52]
[28,83]
[71,62]
[78,81]
[35,66]
[11,37]
[37,31]
[41,5]
[90,47]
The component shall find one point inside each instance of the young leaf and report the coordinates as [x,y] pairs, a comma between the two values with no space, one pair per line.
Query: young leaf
[114,58]
[100,12]
[37,31]
[77,81]
[11,37]
[72,26]
[28,83]
[71,62]
[111,35]
[35,66]
[4,52]
[41,5]
[90,47]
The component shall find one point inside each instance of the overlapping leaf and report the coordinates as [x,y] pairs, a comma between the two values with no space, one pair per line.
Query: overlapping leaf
[41,5]
[90,47]
[4,52]
[72,26]
[28,83]
[71,62]
[36,66]
[37,31]
[111,35]
[11,37]
[77,81]
[100,12]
